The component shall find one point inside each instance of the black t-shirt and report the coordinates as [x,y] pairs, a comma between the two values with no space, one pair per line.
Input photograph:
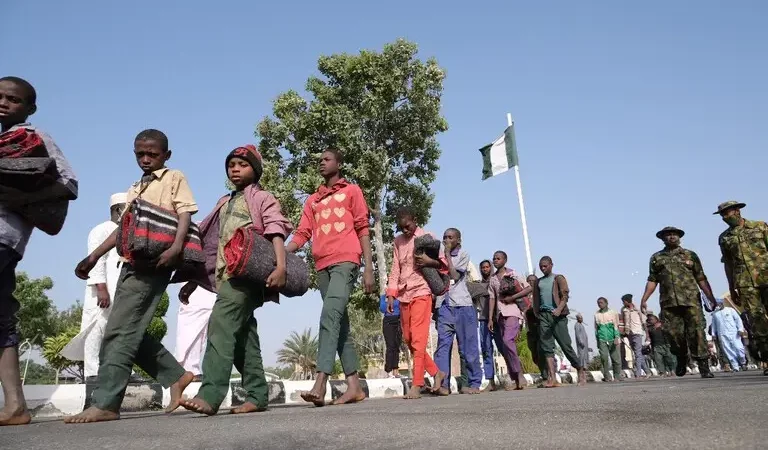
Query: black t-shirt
[657,336]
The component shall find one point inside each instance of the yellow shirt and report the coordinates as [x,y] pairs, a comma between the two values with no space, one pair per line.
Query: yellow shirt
[166,188]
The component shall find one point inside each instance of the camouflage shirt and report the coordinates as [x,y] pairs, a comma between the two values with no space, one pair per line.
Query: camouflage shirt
[745,252]
[678,272]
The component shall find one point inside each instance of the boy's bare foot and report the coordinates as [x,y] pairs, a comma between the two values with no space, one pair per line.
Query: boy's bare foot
[92,415]
[441,392]
[470,391]
[551,384]
[20,416]
[247,408]
[439,377]
[177,389]
[350,397]
[317,395]
[197,405]
[490,388]
[582,377]
[413,393]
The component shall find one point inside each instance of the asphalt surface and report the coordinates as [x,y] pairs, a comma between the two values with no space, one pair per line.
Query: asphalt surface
[724,413]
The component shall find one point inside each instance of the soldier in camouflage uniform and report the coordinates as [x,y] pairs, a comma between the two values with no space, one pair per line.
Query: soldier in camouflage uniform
[744,246]
[682,279]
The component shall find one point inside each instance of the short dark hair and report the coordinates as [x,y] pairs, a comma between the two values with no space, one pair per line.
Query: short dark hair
[502,253]
[602,298]
[403,212]
[455,230]
[151,134]
[626,298]
[30,95]
[546,258]
[485,261]
[336,154]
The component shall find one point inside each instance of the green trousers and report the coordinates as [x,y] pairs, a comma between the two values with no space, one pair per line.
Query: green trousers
[126,340]
[609,349]
[684,330]
[336,284]
[553,329]
[755,303]
[463,380]
[534,346]
[664,359]
[233,339]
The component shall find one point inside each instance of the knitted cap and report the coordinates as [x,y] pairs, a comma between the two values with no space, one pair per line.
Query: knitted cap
[250,154]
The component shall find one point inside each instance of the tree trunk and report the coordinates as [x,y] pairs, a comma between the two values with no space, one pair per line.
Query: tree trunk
[57,377]
[381,259]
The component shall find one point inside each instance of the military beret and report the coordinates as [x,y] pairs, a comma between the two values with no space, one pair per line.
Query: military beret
[723,207]
[660,233]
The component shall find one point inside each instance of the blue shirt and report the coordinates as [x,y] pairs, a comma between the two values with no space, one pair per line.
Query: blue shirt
[383,307]
[546,301]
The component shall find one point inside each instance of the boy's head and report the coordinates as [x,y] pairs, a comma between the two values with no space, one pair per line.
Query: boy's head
[653,320]
[406,221]
[244,166]
[18,100]
[499,259]
[602,303]
[452,238]
[330,162]
[485,268]
[531,279]
[627,300]
[151,149]
[545,264]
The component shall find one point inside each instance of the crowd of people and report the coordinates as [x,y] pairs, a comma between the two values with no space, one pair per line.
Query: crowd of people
[151,241]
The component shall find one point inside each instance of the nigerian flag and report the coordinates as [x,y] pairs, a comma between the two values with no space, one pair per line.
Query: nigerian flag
[501,155]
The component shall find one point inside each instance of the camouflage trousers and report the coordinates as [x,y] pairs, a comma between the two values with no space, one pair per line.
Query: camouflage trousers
[755,303]
[684,327]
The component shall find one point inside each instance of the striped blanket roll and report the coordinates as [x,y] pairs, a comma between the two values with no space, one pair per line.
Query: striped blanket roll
[146,231]
[251,256]
[21,143]
[437,281]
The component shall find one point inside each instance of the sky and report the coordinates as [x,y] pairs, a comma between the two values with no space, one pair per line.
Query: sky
[629,117]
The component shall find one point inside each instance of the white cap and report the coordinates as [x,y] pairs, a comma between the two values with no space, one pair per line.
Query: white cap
[117,199]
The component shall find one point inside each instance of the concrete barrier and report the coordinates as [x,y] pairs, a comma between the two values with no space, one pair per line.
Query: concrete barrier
[65,400]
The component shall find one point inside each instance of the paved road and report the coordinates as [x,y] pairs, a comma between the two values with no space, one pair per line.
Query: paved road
[727,412]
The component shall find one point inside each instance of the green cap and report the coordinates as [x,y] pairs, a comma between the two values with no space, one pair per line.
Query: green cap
[723,207]
[660,233]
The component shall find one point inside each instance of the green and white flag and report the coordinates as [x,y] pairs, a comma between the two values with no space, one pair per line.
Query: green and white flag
[501,155]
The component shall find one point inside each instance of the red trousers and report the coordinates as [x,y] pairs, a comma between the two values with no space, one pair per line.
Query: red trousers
[416,317]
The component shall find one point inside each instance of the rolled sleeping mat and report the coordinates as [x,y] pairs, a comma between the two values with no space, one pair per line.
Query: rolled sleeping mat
[251,256]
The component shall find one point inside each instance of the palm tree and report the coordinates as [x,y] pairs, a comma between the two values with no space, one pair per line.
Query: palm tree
[300,352]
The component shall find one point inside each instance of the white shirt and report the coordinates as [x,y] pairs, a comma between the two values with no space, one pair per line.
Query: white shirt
[106,270]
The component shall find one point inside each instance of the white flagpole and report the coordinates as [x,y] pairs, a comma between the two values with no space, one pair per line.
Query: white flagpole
[522,209]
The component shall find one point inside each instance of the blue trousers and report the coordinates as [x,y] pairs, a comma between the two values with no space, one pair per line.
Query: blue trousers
[487,339]
[461,322]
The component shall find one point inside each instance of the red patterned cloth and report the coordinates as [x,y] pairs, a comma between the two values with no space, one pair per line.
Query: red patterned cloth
[146,231]
[251,256]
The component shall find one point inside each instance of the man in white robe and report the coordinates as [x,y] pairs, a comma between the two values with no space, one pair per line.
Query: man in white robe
[192,330]
[99,294]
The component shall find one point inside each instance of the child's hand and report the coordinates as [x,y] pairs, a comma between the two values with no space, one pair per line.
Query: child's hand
[85,266]
[185,292]
[168,258]
[368,280]
[276,279]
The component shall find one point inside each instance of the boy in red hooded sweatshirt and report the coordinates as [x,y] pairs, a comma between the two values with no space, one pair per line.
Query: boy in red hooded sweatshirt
[336,219]
[233,337]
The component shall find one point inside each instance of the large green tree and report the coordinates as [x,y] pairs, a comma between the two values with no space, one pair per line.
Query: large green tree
[37,315]
[382,109]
